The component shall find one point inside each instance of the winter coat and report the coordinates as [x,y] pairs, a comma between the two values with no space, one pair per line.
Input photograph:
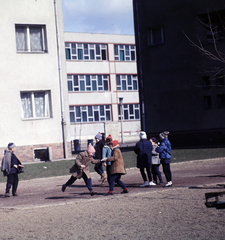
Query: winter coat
[98,149]
[6,162]
[143,149]
[106,152]
[117,164]
[155,155]
[164,151]
[83,159]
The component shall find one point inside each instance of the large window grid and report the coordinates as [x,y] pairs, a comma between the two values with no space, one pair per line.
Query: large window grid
[125,52]
[35,104]
[127,82]
[31,38]
[94,113]
[88,83]
[86,51]
[130,112]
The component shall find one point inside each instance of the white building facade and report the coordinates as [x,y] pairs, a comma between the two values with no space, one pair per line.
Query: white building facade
[101,69]
[33,86]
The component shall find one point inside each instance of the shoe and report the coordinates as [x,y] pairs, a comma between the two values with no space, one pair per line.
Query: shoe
[152,184]
[15,194]
[109,193]
[63,187]
[169,184]
[125,191]
[145,184]
[155,182]
[160,183]
[7,195]
[93,193]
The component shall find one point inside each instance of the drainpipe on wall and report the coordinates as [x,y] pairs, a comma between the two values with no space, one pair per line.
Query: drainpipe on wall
[63,122]
[140,73]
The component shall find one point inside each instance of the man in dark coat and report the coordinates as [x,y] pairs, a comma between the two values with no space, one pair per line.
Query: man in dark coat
[143,149]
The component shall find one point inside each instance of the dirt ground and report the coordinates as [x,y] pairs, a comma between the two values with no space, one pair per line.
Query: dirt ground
[42,211]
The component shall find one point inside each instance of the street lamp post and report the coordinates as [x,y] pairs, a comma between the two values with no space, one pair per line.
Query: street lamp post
[121,117]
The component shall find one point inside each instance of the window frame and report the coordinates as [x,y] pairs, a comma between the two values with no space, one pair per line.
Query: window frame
[92,113]
[151,34]
[86,51]
[127,108]
[47,105]
[121,78]
[27,38]
[125,52]
[79,82]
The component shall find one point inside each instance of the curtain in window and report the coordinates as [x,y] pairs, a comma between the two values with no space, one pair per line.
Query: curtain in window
[36,43]
[121,55]
[21,39]
[39,103]
[26,105]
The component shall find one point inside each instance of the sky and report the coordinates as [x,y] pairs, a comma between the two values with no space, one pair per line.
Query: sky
[98,16]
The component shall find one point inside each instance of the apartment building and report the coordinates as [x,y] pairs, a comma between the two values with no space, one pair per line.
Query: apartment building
[180,59]
[101,72]
[33,86]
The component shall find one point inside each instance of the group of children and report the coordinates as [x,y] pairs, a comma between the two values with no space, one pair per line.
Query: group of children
[107,152]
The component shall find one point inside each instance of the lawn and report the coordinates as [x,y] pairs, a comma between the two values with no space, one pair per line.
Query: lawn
[60,168]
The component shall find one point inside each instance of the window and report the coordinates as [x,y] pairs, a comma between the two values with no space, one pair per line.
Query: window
[35,104]
[127,82]
[85,51]
[155,36]
[80,83]
[206,81]
[31,38]
[130,112]
[125,53]
[212,25]
[207,102]
[96,113]
[221,100]
[220,80]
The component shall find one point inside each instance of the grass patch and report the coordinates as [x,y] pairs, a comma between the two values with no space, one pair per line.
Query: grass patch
[61,168]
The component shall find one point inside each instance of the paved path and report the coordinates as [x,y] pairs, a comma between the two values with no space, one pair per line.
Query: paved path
[42,211]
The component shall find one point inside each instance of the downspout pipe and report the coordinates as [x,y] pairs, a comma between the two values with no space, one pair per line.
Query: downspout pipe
[63,122]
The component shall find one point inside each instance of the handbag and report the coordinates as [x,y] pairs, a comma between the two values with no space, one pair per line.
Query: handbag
[20,169]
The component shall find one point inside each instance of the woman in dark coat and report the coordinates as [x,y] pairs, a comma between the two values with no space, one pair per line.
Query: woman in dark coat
[143,149]
[10,168]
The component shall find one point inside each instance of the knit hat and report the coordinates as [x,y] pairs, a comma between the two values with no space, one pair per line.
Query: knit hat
[154,139]
[109,137]
[115,143]
[11,145]
[98,136]
[90,149]
[164,134]
[143,135]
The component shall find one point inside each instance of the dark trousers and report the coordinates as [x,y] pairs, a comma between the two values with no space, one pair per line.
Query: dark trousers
[12,180]
[115,178]
[86,180]
[99,169]
[142,170]
[156,172]
[167,172]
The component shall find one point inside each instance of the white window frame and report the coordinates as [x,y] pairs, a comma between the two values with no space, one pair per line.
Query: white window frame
[47,107]
[127,51]
[124,78]
[87,88]
[28,40]
[126,108]
[73,48]
[90,117]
